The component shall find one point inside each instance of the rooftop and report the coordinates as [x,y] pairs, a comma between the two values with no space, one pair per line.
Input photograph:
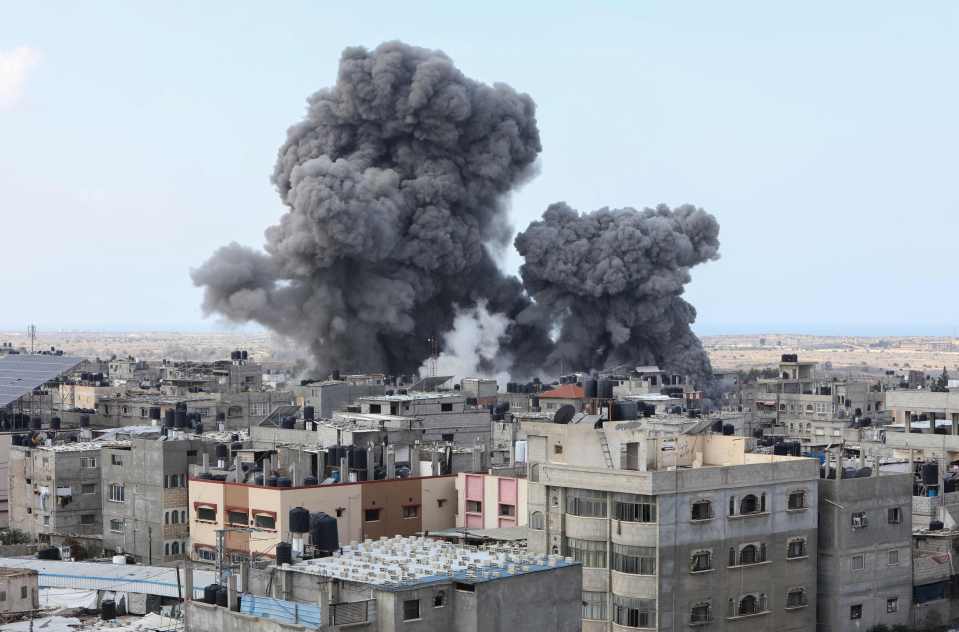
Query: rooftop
[566,391]
[400,563]
[412,396]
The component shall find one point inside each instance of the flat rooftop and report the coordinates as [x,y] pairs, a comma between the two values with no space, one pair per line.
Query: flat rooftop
[409,397]
[400,563]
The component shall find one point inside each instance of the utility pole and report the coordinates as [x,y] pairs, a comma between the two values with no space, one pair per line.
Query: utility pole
[32,334]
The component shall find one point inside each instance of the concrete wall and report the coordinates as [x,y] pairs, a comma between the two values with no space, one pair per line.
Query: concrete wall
[20,588]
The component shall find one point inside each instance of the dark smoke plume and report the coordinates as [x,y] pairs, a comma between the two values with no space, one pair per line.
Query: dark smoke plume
[612,280]
[395,184]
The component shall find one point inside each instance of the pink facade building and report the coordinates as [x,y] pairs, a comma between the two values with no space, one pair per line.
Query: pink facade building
[490,502]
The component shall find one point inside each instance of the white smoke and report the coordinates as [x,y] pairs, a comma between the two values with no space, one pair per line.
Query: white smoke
[471,348]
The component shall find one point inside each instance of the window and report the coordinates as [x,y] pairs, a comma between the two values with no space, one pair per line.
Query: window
[411,511]
[892,605]
[117,493]
[894,515]
[893,557]
[233,517]
[634,508]
[797,500]
[166,549]
[855,612]
[701,561]
[46,520]
[752,554]
[375,409]
[635,560]
[372,515]
[594,605]
[206,554]
[411,609]
[175,549]
[206,514]
[265,521]
[174,515]
[116,459]
[3,595]
[858,562]
[447,437]
[796,598]
[751,604]
[88,462]
[88,519]
[796,548]
[859,520]
[536,521]
[591,553]
[116,526]
[446,408]
[751,504]
[23,592]
[183,516]
[439,599]
[700,614]
[557,448]
[586,502]
[634,613]
[474,506]
[88,488]
[702,510]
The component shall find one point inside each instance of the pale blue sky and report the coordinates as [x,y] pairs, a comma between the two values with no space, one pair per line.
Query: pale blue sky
[823,135]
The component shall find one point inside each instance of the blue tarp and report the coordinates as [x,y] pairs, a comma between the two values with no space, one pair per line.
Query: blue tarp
[304,614]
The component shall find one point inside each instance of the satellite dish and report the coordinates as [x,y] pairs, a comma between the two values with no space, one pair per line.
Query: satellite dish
[564,415]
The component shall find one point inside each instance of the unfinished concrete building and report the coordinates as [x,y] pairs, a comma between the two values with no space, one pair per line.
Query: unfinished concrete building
[676,530]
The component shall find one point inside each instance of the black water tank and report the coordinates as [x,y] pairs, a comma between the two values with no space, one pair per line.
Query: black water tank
[205,476]
[287,423]
[534,403]
[336,375]
[49,553]
[309,413]
[258,479]
[283,481]
[358,459]
[930,473]
[236,447]
[284,553]
[209,593]
[244,355]
[234,355]
[155,412]
[309,480]
[168,418]
[222,595]
[780,449]
[179,419]
[299,520]
[272,481]
[198,428]
[108,610]
[604,389]
[936,525]
[323,533]
[729,429]
[589,388]
[55,423]
[221,451]
[35,423]
[221,416]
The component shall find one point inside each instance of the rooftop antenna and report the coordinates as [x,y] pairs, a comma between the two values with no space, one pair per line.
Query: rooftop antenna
[32,334]
[434,354]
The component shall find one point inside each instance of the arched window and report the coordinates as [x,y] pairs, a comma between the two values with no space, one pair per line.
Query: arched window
[166,549]
[749,504]
[796,548]
[797,499]
[749,555]
[751,604]
[176,548]
[537,521]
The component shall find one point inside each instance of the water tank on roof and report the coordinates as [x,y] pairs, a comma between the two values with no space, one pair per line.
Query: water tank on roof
[244,355]
[930,473]
[234,355]
[299,520]
[309,480]
[287,423]
[35,423]
[221,416]
[272,481]
[55,423]
[936,525]
[49,553]
[221,451]
[309,413]
[221,594]
[604,389]
[168,419]
[729,429]
[209,593]
[179,419]
[284,553]
[283,481]
[155,412]
[108,610]
[323,532]
[336,375]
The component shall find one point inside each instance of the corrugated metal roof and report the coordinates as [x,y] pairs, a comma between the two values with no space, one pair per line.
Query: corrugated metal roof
[20,374]
[150,580]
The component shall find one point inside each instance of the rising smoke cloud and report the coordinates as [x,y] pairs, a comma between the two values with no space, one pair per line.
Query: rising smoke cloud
[612,280]
[395,184]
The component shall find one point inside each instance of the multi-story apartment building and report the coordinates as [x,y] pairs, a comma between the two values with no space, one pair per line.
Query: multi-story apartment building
[486,501]
[55,492]
[676,531]
[865,552]
[145,499]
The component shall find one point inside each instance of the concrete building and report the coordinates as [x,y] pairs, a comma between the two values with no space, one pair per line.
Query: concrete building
[239,411]
[328,396]
[676,531]
[865,552]
[445,416]
[485,501]
[18,591]
[370,509]
[55,492]
[563,395]
[400,584]
[145,499]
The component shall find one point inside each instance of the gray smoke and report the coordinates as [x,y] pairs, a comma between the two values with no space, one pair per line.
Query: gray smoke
[394,184]
[611,282]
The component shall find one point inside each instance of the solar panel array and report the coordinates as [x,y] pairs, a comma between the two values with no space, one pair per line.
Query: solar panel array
[20,374]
